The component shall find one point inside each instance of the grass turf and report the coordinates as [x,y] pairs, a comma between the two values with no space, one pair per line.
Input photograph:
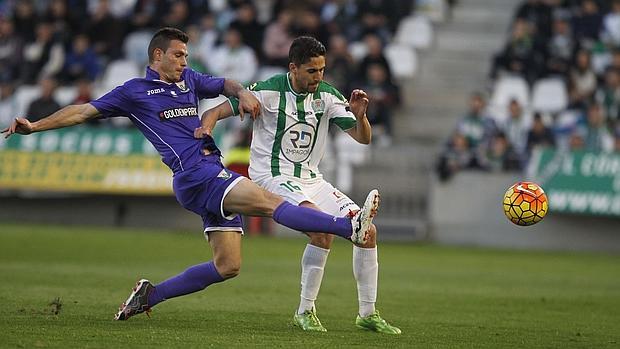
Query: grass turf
[440,297]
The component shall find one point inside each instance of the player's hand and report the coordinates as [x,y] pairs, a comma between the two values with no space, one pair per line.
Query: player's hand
[358,103]
[248,103]
[18,125]
[202,132]
[207,123]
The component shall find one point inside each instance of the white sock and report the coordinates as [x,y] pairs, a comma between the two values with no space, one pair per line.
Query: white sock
[312,265]
[366,272]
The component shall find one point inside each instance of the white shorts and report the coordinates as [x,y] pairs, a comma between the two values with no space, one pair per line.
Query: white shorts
[317,191]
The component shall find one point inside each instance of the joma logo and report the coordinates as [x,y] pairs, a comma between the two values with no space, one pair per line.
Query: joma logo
[154,91]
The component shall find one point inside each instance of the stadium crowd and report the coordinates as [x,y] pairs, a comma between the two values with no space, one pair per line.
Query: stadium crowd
[556,83]
[87,47]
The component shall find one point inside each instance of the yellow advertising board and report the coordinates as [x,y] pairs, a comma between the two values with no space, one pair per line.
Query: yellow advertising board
[35,163]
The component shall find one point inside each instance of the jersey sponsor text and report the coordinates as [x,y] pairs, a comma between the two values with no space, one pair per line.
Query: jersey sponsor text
[177,113]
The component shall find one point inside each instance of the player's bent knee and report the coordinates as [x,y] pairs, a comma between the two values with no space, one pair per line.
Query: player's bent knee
[228,269]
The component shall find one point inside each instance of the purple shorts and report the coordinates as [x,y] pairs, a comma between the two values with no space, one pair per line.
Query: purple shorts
[202,188]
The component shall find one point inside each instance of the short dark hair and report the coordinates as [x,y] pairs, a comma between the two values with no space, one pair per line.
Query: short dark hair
[161,40]
[304,48]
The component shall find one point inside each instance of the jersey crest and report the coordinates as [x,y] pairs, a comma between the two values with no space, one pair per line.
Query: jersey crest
[182,86]
[318,106]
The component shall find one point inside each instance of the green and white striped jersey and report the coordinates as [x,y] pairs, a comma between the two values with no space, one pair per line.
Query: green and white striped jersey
[290,136]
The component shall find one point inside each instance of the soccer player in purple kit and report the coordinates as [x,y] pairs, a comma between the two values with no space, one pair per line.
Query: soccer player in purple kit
[164,107]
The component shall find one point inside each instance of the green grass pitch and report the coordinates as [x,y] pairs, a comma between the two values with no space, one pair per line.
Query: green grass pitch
[440,297]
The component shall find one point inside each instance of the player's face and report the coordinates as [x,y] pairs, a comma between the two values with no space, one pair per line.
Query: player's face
[306,77]
[172,61]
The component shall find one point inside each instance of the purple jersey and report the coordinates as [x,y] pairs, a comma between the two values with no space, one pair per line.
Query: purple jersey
[166,113]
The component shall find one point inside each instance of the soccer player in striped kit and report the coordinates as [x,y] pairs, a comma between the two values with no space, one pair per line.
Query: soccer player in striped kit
[288,142]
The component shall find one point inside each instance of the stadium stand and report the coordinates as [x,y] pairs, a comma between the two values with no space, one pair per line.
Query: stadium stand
[436,52]
[557,61]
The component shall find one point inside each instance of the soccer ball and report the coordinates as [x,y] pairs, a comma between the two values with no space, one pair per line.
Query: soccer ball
[525,203]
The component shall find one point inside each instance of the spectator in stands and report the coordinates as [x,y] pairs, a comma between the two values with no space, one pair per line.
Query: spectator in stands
[45,104]
[43,57]
[208,37]
[575,99]
[456,156]
[374,56]
[583,77]
[64,23]
[539,135]
[515,129]
[340,63]
[608,95]
[105,32]
[278,39]
[84,91]
[519,56]
[309,23]
[615,59]
[595,134]
[247,25]
[588,22]
[385,97]
[233,58]
[477,127]
[177,15]
[501,156]
[373,16]
[10,51]
[25,19]
[146,14]
[576,142]
[81,61]
[195,61]
[538,14]
[559,49]
[328,10]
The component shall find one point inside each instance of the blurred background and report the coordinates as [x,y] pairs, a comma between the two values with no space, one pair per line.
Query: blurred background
[467,97]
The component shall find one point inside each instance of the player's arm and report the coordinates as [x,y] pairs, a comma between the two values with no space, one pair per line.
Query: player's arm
[210,117]
[248,103]
[361,132]
[65,117]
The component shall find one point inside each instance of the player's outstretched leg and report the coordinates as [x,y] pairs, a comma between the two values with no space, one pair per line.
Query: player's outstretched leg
[146,295]
[248,198]
[137,302]
[363,218]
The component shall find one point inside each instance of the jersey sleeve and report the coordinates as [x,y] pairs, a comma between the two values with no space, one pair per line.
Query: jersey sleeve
[207,86]
[113,103]
[338,113]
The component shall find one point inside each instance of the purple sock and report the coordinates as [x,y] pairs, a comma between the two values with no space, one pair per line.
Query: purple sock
[306,219]
[193,279]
